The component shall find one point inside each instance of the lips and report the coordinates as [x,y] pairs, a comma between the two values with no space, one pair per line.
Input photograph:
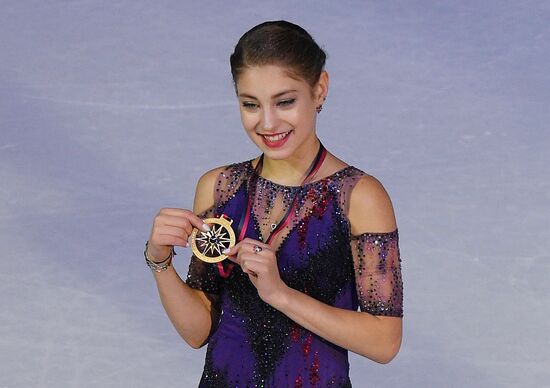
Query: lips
[276,140]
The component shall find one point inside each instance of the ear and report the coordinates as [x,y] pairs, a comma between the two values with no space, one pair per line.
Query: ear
[321,88]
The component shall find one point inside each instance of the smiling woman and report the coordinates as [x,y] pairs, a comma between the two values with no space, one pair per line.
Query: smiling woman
[315,270]
[279,112]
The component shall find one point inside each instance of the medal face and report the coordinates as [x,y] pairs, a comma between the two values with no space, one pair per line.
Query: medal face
[208,246]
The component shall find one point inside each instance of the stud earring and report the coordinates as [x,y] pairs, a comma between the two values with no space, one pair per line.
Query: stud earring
[320,106]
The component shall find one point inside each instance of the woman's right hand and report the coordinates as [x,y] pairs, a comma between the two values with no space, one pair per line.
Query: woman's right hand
[172,227]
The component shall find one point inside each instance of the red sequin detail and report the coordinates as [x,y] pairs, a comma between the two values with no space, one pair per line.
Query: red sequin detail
[314,370]
[318,209]
[298,382]
[307,345]
[295,333]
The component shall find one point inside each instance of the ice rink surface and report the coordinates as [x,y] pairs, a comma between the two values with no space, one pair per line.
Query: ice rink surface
[110,110]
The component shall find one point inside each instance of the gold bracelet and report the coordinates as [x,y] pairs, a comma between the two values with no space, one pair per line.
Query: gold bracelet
[158,266]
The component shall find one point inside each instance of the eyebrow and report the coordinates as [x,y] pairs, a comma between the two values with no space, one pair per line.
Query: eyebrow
[275,96]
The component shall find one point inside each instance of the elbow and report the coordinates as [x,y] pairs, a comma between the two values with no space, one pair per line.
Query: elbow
[194,343]
[386,358]
[195,346]
[389,352]
[193,340]
[196,339]
[382,353]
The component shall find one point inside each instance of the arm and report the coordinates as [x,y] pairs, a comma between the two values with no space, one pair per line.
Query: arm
[375,337]
[191,311]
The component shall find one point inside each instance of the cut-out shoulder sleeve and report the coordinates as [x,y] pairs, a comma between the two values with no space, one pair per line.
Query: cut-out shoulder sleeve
[376,260]
[377,265]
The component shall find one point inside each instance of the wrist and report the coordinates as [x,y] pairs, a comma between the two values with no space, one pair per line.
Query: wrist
[158,266]
[281,299]
[158,255]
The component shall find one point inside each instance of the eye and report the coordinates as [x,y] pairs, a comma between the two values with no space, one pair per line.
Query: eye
[287,102]
[249,105]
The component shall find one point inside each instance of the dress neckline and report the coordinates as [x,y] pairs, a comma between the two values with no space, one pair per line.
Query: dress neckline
[275,184]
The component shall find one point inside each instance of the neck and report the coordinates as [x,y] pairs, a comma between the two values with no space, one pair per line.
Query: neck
[292,170]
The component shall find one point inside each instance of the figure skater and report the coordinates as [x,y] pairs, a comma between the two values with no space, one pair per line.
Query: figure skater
[316,269]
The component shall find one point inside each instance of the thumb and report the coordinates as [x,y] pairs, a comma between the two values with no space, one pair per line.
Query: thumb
[232,251]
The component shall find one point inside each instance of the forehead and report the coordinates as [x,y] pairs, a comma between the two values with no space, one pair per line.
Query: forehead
[268,80]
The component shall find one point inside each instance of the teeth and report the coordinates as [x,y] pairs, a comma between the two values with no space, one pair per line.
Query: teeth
[276,137]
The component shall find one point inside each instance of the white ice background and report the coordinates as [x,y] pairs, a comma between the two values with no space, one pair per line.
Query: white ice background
[110,110]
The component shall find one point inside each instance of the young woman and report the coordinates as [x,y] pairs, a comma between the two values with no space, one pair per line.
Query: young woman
[316,268]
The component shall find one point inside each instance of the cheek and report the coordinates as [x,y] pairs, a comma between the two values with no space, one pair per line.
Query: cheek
[249,121]
[297,115]
[303,115]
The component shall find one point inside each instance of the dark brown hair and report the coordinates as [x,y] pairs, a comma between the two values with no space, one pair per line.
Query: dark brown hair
[279,43]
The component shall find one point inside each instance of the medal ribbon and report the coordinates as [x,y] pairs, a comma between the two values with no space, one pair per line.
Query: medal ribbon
[245,218]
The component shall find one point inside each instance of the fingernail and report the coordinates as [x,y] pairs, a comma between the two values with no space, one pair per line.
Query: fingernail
[206,228]
[187,245]
[226,251]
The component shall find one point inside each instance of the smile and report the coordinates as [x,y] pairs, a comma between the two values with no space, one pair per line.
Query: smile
[276,137]
[277,140]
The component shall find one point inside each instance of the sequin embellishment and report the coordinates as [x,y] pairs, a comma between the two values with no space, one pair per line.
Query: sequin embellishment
[254,345]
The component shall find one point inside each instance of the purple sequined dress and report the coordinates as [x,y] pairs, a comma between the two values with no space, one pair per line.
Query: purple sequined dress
[255,345]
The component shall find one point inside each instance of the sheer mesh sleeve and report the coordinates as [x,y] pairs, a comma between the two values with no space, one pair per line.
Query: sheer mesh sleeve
[377,265]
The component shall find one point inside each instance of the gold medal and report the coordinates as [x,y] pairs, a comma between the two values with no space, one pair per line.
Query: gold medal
[208,246]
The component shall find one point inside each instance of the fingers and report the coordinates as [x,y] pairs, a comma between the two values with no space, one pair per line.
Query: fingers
[255,242]
[251,260]
[250,263]
[248,245]
[172,227]
[188,215]
[168,240]
[249,268]
[177,223]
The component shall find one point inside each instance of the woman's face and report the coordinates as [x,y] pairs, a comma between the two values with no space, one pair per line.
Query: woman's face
[278,111]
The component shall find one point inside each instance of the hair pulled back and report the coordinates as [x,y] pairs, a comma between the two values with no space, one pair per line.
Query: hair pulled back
[279,43]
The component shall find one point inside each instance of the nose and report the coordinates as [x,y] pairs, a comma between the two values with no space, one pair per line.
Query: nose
[269,120]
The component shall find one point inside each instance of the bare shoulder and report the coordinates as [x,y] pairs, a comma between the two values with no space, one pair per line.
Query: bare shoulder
[370,207]
[204,193]
[331,165]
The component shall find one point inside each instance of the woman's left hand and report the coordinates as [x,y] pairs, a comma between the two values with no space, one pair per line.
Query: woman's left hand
[259,262]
